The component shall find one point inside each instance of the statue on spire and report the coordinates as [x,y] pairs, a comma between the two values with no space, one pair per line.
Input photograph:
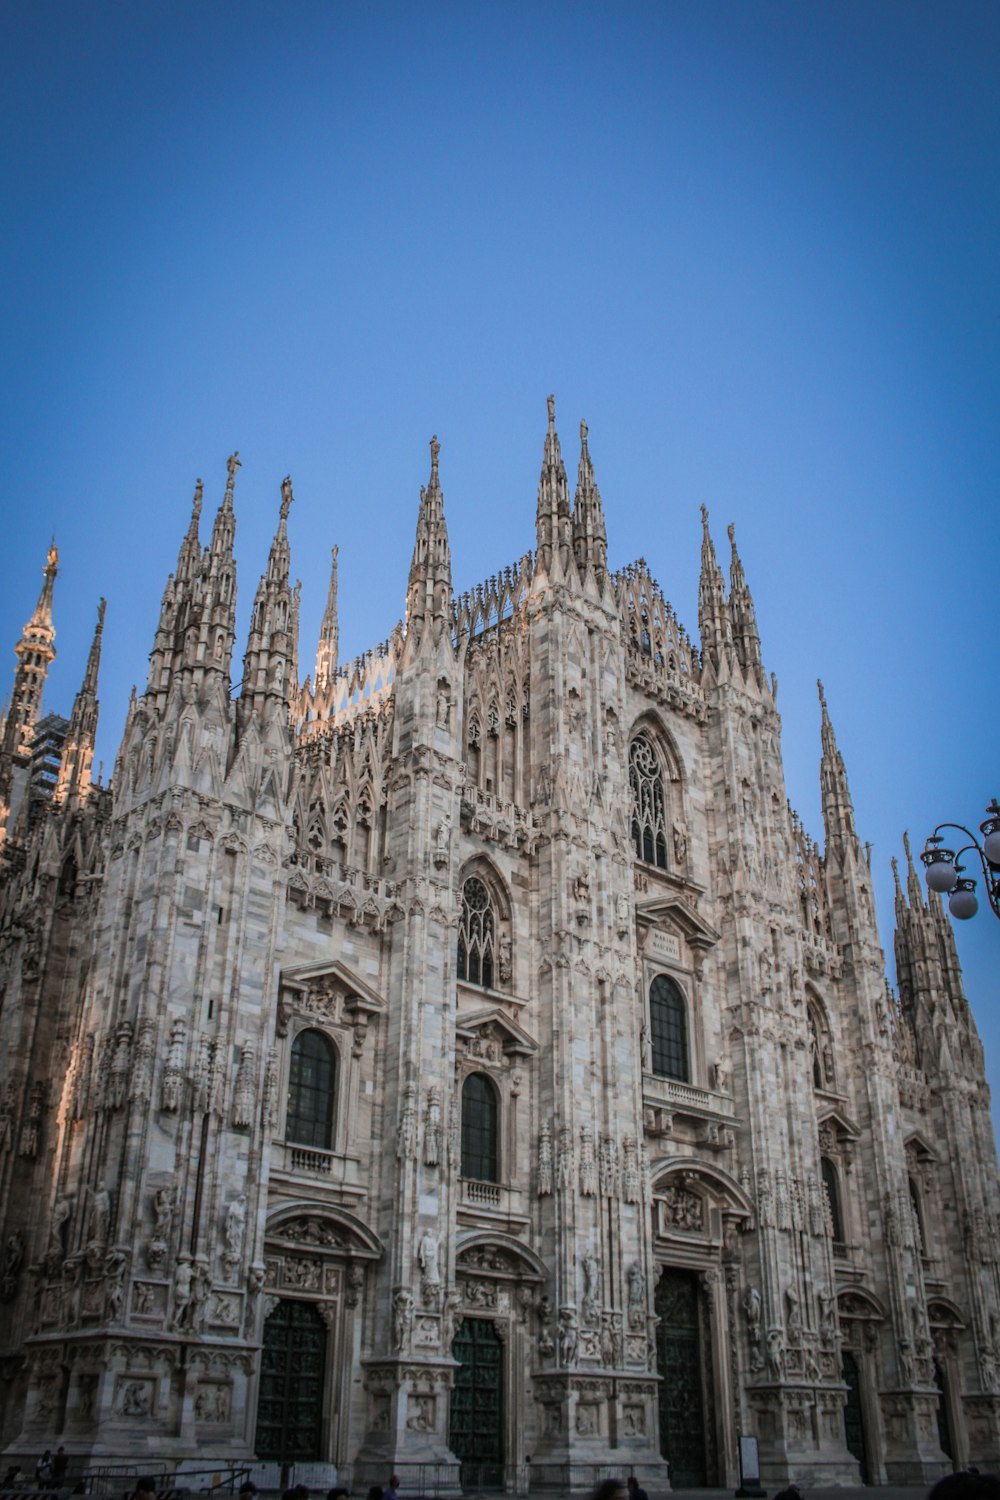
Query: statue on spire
[286,496]
[435,450]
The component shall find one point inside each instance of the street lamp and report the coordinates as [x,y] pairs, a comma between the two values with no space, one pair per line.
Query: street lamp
[944,873]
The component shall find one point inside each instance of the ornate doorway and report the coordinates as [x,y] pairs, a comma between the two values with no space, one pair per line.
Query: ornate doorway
[292,1369]
[475,1431]
[683,1358]
[854,1422]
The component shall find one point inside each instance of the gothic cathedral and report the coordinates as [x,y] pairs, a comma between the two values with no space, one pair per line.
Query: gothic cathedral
[464,1063]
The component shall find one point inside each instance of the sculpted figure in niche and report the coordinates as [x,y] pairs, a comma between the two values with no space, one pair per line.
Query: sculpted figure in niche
[591,1283]
[402,1317]
[432,1131]
[751,1307]
[544,1160]
[775,1354]
[100,1215]
[183,1276]
[135,1400]
[163,1214]
[427,1255]
[451,1317]
[636,1296]
[57,1230]
[236,1218]
[680,843]
[569,1337]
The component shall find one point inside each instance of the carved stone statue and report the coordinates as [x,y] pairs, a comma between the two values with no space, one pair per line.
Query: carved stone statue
[100,1215]
[569,1336]
[402,1317]
[430,1279]
[751,1307]
[636,1296]
[183,1276]
[432,1130]
[235,1225]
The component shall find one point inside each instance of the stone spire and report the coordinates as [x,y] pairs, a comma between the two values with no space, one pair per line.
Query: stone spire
[553,524]
[218,620]
[913,889]
[268,661]
[429,591]
[838,810]
[35,652]
[745,634]
[78,751]
[590,537]
[177,607]
[328,649]
[714,620]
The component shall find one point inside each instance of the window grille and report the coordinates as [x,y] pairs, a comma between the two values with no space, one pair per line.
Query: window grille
[649,833]
[311,1080]
[829,1174]
[479,1129]
[668,1029]
[477,935]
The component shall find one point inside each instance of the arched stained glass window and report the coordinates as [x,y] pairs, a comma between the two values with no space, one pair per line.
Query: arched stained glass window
[649,831]
[311,1081]
[829,1174]
[477,935]
[668,1029]
[480,1154]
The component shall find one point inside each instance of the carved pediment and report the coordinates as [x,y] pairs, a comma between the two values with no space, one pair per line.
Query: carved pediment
[670,913]
[834,1123]
[326,989]
[918,1149]
[491,1031]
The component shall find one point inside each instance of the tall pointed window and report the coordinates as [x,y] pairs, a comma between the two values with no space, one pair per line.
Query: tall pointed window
[311,1080]
[480,1154]
[668,1029]
[649,831]
[477,935]
[828,1172]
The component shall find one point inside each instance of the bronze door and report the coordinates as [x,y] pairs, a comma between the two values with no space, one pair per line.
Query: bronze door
[475,1431]
[854,1421]
[292,1366]
[682,1394]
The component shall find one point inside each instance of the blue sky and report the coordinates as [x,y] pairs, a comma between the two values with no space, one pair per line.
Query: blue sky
[754,244]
